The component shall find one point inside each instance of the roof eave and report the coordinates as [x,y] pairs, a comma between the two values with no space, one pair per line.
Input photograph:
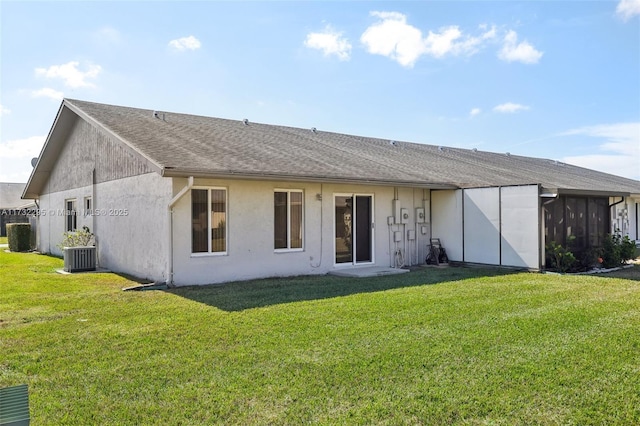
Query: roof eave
[171,172]
[595,193]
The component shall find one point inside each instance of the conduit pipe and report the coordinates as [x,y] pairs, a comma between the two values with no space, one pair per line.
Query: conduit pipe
[173,201]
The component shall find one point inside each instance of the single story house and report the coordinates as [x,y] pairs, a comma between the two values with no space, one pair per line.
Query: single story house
[13,209]
[186,199]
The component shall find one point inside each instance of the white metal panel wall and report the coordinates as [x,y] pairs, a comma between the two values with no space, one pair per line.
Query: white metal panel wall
[482,225]
[520,226]
[446,221]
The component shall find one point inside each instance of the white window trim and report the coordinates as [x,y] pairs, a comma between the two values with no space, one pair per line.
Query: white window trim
[209,253]
[302,231]
[67,214]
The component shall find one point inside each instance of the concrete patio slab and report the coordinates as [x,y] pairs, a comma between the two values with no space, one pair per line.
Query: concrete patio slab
[368,271]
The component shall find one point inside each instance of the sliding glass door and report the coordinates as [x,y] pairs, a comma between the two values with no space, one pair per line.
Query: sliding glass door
[353,229]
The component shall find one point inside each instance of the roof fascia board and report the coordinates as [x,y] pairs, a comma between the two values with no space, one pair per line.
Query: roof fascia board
[28,193]
[318,179]
[587,192]
[80,113]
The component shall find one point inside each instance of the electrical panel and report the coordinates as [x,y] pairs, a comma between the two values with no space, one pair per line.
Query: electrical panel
[424,230]
[411,235]
[397,236]
[404,216]
[390,220]
[396,210]
[419,215]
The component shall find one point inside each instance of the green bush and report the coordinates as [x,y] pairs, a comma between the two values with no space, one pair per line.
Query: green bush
[627,249]
[589,258]
[617,250]
[19,236]
[561,258]
[80,238]
[611,251]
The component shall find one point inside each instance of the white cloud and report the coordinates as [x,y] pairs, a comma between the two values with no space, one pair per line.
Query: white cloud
[70,74]
[620,150]
[330,42]
[627,9]
[185,43]
[15,158]
[22,148]
[519,52]
[394,38]
[4,110]
[47,92]
[510,107]
[475,111]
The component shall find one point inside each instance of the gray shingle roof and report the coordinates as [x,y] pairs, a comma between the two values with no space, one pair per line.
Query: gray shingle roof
[10,196]
[182,144]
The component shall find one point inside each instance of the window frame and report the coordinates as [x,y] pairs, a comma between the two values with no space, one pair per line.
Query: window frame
[71,214]
[209,251]
[88,206]
[289,249]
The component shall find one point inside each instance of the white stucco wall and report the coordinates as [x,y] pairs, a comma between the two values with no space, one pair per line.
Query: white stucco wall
[446,221]
[136,242]
[623,217]
[51,222]
[130,224]
[250,251]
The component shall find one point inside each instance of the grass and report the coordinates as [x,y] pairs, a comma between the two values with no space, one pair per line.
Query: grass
[4,240]
[436,346]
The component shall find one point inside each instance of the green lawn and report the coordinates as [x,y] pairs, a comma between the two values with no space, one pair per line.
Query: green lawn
[436,346]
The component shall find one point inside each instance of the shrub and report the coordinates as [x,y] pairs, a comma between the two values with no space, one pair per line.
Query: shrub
[617,250]
[19,236]
[561,258]
[589,258]
[81,238]
[627,249]
[611,251]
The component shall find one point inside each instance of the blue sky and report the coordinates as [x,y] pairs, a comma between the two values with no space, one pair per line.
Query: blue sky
[550,79]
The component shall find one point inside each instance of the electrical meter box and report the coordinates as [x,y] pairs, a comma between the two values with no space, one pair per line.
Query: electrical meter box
[420,215]
[404,216]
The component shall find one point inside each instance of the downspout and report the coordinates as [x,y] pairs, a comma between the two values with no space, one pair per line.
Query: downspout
[610,212]
[463,242]
[173,201]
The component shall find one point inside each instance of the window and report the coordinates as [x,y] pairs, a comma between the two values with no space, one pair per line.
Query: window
[209,220]
[71,215]
[88,205]
[287,223]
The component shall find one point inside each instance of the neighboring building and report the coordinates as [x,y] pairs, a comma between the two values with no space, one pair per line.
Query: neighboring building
[196,200]
[13,209]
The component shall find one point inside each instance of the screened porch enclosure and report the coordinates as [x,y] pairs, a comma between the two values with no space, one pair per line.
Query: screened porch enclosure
[577,223]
